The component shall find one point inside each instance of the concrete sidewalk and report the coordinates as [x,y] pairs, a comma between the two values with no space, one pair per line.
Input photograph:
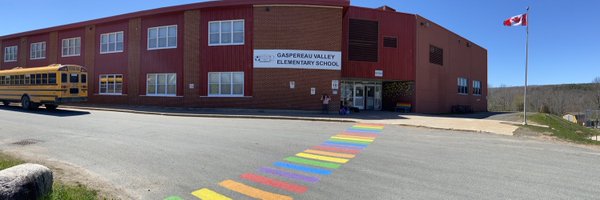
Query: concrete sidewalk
[392,118]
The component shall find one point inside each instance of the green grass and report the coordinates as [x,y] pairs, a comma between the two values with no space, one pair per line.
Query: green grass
[564,129]
[59,191]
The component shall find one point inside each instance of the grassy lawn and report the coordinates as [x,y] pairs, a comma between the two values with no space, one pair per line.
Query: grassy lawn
[59,191]
[564,129]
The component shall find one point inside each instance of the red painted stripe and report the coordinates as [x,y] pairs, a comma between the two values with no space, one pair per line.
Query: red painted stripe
[361,134]
[275,183]
[337,149]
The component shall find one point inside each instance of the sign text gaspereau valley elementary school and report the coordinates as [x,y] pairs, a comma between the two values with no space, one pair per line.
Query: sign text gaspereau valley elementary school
[298,59]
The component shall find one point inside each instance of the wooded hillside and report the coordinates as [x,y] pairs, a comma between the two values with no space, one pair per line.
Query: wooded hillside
[555,99]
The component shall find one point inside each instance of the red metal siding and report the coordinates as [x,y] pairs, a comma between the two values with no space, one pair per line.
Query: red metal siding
[398,64]
[226,58]
[112,63]
[162,60]
[36,39]
[8,43]
[77,60]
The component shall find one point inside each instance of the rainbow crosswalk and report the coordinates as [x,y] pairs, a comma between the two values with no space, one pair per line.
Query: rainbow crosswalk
[318,161]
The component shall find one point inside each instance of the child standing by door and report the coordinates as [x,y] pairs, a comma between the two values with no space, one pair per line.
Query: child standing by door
[325,100]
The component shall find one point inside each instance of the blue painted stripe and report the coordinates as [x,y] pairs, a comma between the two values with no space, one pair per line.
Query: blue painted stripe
[302,168]
[346,144]
[343,146]
[361,131]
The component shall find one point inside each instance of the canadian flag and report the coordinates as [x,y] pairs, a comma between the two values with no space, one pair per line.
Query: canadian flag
[519,20]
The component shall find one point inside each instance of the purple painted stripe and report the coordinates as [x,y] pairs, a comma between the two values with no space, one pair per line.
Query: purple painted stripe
[290,175]
[342,146]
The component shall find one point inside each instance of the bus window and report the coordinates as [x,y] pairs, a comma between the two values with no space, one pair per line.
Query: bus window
[44,79]
[83,78]
[12,80]
[38,78]
[63,78]
[21,79]
[27,78]
[74,78]
[52,78]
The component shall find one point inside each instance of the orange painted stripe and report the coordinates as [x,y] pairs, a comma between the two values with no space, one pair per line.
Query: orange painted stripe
[327,153]
[373,135]
[355,137]
[252,192]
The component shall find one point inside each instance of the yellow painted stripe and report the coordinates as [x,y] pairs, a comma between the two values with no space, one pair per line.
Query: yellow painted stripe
[207,194]
[352,139]
[354,136]
[370,127]
[252,192]
[323,158]
[327,153]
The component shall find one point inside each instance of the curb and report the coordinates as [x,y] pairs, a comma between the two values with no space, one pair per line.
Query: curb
[212,115]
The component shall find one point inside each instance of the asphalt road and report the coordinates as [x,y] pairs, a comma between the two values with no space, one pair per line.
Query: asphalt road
[153,157]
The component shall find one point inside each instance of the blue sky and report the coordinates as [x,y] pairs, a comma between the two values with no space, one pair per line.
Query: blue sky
[564,34]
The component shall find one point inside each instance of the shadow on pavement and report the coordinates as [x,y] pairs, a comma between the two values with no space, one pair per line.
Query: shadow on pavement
[42,111]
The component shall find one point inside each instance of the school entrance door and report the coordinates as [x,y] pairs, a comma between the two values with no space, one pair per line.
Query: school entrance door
[363,95]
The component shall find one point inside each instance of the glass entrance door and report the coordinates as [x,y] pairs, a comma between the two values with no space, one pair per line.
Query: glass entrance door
[370,97]
[359,96]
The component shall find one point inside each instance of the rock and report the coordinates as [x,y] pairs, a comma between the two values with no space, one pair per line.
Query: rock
[26,181]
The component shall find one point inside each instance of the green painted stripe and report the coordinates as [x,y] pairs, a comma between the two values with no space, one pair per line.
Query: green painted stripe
[313,162]
[174,198]
[349,141]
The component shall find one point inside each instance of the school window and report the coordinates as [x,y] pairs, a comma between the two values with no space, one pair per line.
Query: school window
[390,42]
[226,84]
[111,42]
[161,84]
[10,54]
[163,37]
[230,32]
[477,88]
[111,84]
[37,51]
[436,55]
[463,87]
[71,47]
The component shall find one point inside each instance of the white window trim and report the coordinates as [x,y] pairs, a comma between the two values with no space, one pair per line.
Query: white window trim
[156,84]
[227,95]
[110,94]
[108,34]
[159,48]
[227,44]
[16,53]
[62,52]
[31,49]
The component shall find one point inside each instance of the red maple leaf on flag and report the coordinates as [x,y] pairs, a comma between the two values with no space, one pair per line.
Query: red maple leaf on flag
[516,19]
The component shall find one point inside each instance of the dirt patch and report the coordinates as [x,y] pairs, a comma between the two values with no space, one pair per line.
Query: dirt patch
[73,175]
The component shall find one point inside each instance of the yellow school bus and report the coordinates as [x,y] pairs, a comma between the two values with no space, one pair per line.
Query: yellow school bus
[51,85]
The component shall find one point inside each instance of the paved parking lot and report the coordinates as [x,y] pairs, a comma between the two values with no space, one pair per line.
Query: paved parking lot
[155,157]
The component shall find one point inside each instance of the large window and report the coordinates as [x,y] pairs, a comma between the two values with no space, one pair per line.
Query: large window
[10,54]
[161,84]
[463,86]
[111,84]
[476,87]
[37,51]
[226,84]
[229,32]
[111,42]
[436,55]
[163,37]
[71,47]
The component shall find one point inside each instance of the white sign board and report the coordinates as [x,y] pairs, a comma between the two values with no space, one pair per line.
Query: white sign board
[297,59]
[335,84]
[313,91]
[292,84]
[378,73]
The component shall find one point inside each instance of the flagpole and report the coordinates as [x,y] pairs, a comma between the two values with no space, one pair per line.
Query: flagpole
[526,68]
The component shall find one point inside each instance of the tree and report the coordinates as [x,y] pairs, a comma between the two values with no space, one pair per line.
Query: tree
[596,82]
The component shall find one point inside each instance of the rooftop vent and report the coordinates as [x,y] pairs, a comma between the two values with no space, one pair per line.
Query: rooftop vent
[386,8]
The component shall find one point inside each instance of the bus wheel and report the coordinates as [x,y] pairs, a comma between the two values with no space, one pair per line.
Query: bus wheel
[51,106]
[26,103]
